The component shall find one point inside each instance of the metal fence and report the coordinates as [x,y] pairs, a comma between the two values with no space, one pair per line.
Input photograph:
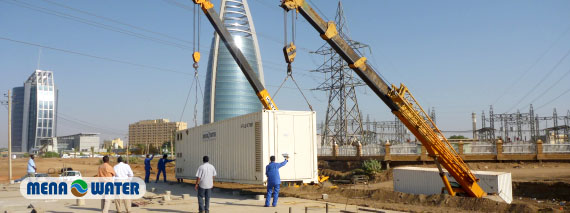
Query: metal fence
[479,148]
[324,150]
[556,148]
[373,150]
[405,149]
[468,148]
[519,148]
[347,150]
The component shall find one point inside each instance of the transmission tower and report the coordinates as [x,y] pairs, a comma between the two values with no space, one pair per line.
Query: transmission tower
[343,123]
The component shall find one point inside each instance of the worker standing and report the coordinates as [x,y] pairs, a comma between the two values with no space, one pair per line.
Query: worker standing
[106,171]
[273,179]
[147,167]
[162,167]
[123,173]
[32,167]
[204,184]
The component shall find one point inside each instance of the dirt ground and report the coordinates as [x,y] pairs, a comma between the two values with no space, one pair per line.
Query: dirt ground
[87,166]
[537,187]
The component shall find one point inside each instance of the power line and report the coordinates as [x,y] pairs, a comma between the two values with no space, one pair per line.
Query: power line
[554,99]
[540,82]
[549,88]
[94,56]
[117,22]
[98,25]
[532,65]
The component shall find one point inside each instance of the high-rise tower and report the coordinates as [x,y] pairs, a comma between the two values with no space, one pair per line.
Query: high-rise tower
[35,107]
[227,91]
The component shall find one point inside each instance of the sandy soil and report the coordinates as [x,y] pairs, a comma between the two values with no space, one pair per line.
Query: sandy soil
[87,166]
[536,186]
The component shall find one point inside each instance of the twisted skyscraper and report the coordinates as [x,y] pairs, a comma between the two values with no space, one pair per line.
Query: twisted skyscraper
[227,92]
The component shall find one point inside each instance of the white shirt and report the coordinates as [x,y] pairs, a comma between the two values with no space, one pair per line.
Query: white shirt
[123,171]
[206,172]
[31,165]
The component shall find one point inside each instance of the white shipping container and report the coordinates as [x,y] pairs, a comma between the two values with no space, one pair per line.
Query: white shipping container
[415,180]
[239,148]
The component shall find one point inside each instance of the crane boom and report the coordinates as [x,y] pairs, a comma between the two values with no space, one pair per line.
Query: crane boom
[398,99]
[208,9]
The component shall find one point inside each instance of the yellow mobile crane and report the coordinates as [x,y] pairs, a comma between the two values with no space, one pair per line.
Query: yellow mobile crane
[398,99]
[401,103]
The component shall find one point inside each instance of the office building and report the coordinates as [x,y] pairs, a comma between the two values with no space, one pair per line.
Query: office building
[227,91]
[153,132]
[34,111]
[82,142]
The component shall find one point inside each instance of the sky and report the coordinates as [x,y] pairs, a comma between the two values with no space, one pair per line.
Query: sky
[118,62]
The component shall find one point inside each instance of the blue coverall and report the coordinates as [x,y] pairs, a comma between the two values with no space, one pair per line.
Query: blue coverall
[162,168]
[273,181]
[147,168]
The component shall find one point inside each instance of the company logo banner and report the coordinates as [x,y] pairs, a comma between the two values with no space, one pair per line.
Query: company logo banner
[85,188]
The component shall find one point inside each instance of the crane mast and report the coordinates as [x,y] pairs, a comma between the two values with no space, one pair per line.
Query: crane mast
[208,9]
[399,100]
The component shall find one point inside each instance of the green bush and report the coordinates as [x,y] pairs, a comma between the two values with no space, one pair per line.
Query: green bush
[372,166]
[51,155]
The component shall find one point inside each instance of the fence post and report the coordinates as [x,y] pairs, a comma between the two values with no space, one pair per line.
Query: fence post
[387,156]
[539,150]
[334,149]
[499,146]
[359,149]
[423,154]
[460,147]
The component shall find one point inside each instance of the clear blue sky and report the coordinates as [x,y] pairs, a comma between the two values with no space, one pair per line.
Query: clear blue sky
[458,57]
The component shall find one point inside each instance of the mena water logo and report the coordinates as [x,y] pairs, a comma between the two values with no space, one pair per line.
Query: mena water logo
[79,188]
[85,188]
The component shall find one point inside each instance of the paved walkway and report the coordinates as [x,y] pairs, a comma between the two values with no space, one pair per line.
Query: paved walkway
[221,201]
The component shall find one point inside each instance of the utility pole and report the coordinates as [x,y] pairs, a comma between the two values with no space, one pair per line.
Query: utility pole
[9,136]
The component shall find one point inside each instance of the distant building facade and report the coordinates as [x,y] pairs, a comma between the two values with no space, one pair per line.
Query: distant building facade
[153,132]
[227,92]
[82,142]
[116,143]
[34,115]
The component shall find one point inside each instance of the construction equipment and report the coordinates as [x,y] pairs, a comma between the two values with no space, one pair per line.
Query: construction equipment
[208,9]
[398,99]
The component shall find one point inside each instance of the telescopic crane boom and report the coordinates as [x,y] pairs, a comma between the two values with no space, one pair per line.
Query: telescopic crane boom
[399,100]
[208,9]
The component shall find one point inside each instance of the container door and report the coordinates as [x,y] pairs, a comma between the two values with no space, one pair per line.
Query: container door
[303,146]
[285,143]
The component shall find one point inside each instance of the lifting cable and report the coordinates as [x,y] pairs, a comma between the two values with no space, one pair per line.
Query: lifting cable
[196,58]
[289,50]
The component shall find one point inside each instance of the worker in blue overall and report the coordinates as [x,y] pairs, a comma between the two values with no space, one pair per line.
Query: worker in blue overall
[273,179]
[147,167]
[162,167]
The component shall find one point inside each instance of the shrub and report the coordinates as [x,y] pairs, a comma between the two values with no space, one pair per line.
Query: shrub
[372,166]
[51,155]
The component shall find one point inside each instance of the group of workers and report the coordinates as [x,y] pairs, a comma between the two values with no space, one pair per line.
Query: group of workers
[204,179]
[161,167]
[119,171]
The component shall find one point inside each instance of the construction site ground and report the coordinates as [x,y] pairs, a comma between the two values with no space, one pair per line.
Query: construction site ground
[536,187]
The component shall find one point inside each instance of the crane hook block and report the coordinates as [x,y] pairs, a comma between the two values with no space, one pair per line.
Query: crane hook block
[204,4]
[290,51]
[360,63]
[331,31]
[196,57]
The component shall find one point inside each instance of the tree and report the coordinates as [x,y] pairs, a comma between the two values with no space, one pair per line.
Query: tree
[457,137]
